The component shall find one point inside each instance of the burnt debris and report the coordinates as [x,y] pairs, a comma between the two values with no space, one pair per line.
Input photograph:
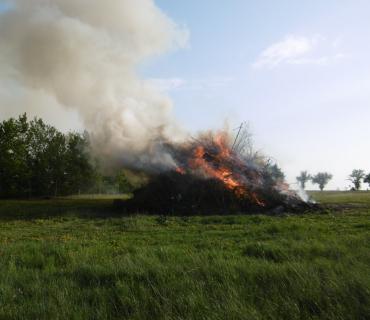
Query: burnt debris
[211,176]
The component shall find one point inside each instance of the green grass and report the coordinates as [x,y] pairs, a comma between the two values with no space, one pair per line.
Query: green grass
[348,197]
[76,258]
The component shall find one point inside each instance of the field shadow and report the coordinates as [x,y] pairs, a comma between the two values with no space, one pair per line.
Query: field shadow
[46,208]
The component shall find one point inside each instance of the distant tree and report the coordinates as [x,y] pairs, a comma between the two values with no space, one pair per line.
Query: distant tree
[97,182]
[367,179]
[111,184]
[322,179]
[303,178]
[107,185]
[122,185]
[276,172]
[355,177]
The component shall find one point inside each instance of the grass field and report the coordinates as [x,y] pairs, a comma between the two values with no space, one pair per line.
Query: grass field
[77,258]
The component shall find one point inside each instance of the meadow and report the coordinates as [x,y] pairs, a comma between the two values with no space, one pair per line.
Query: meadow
[78,258]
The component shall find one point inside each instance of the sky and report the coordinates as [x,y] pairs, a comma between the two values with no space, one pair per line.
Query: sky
[297,71]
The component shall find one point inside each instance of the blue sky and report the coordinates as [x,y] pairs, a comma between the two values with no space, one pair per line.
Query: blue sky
[297,71]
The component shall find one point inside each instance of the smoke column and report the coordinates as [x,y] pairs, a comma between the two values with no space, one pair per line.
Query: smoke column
[84,54]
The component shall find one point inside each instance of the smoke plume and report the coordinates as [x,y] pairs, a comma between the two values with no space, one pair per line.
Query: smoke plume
[85,54]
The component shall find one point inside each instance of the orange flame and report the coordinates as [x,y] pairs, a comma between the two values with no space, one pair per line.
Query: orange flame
[218,166]
[179,170]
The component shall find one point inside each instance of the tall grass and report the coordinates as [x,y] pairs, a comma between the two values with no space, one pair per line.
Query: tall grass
[70,265]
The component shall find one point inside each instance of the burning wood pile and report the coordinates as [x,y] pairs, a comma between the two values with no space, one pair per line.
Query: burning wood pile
[215,175]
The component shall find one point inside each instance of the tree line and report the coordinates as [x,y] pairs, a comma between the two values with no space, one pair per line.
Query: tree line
[322,179]
[38,160]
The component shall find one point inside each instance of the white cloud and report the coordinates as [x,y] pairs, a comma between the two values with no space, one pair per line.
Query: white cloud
[319,61]
[286,50]
[341,56]
[337,42]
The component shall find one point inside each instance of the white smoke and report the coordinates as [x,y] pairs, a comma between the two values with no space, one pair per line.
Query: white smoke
[84,54]
[304,196]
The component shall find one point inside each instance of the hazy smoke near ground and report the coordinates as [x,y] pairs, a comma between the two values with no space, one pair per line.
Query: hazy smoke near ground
[85,54]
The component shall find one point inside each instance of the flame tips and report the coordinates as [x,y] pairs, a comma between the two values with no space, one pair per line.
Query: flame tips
[214,158]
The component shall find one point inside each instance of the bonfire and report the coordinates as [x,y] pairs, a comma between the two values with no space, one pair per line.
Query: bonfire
[215,174]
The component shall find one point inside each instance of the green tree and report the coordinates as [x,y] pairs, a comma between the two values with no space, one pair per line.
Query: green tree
[367,179]
[114,184]
[303,178]
[56,156]
[276,172]
[79,168]
[122,184]
[322,179]
[37,160]
[13,151]
[46,158]
[355,177]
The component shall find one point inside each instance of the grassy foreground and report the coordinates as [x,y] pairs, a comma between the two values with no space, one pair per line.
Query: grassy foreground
[78,259]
